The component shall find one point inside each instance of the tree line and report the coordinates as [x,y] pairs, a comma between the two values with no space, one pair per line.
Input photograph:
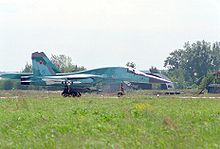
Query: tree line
[192,64]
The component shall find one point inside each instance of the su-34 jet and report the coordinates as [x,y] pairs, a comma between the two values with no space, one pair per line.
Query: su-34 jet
[45,73]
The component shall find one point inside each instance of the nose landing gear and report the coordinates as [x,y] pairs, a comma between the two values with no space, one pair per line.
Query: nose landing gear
[121,92]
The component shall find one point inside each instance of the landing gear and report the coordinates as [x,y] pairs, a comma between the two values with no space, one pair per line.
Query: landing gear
[121,92]
[70,92]
[75,94]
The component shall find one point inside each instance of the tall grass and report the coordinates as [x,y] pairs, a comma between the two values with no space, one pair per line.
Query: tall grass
[46,120]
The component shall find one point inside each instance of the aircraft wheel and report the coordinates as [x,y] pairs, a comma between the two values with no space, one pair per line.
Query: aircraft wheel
[65,92]
[120,94]
[78,94]
[64,95]
[74,94]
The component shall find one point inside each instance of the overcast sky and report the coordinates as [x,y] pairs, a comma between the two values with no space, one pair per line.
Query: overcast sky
[98,33]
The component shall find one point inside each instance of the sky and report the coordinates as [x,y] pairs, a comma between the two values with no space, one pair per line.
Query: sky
[100,33]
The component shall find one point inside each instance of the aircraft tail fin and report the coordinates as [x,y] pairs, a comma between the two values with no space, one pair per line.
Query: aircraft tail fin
[42,66]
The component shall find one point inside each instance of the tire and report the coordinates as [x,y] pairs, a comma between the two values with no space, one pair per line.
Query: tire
[120,94]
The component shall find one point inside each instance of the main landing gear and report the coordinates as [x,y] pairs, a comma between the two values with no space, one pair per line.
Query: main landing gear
[121,91]
[70,92]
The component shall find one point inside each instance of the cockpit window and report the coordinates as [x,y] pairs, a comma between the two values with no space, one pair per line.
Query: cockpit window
[131,70]
[135,71]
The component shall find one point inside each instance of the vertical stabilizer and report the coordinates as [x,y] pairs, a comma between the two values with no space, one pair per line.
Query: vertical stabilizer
[42,66]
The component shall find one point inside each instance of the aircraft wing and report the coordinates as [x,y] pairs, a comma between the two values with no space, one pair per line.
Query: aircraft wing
[74,76]
[152,78]
[155,79]
[14,75]
[73,79]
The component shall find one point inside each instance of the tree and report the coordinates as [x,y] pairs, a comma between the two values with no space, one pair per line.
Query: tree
[154,70]
[64,63]
[131,64]
[197,60]
[216,55]
[27,68]
[174,60]
[194,61]
[206,80]
[178,77]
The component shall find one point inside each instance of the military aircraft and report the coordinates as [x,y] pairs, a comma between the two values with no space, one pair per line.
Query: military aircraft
[45,73]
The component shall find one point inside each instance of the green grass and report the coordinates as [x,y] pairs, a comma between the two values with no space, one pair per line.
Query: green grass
[46,120]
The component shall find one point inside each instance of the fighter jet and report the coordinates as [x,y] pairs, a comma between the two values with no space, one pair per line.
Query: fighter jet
[45,73]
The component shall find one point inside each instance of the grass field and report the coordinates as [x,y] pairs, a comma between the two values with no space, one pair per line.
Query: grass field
[46,120]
